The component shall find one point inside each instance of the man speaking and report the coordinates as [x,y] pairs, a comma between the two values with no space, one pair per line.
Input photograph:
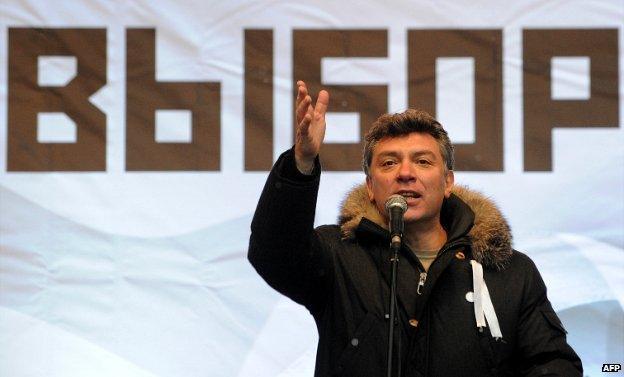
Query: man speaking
[467,304]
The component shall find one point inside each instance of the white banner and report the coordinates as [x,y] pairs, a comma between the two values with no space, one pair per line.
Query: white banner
[123,252]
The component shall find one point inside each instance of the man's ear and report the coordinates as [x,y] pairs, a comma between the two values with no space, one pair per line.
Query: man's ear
[449,182]
[369,188]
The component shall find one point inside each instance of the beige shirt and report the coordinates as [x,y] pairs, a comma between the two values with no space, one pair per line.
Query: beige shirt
[426,257]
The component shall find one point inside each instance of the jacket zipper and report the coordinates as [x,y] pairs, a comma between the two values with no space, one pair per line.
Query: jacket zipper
[423,274]
[421,282]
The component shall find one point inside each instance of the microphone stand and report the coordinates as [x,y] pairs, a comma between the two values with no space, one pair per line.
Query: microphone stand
[395,246]
[396,207]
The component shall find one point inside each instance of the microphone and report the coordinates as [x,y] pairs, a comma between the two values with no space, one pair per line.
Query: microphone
[396,205]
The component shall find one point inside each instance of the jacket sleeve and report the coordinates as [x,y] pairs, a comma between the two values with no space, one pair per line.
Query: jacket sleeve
[544,350]
[284,248]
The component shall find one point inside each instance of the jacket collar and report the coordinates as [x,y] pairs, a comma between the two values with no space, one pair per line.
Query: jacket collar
[466,213]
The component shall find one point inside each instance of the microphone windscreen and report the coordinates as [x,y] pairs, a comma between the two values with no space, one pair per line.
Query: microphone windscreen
[395,201]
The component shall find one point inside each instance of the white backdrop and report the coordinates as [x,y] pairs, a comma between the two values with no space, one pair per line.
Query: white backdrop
[120,273]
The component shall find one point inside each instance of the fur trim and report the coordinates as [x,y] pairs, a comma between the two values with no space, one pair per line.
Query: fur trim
[490,234]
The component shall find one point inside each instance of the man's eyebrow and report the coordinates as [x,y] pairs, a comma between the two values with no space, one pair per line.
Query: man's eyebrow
[423,153]
[389,153]
[392,153]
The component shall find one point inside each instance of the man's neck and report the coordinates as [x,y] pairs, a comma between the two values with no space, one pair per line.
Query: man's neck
[425,237]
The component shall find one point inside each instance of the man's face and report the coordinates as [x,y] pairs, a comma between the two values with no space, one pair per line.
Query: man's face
[412,166]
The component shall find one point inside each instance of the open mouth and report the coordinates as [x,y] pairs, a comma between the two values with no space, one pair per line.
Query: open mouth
[408,194]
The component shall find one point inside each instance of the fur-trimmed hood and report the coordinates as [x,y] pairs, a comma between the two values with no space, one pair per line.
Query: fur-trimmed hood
[490,234]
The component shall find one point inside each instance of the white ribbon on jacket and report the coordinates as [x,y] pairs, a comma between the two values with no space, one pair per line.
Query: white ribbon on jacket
[484,310]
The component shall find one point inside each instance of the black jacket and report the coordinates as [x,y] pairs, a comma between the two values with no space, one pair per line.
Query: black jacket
[341,274]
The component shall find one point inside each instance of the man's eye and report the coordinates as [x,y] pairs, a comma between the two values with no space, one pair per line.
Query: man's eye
[422,161]
[387,163]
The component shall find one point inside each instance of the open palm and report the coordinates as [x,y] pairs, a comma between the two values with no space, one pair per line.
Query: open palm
[310,126]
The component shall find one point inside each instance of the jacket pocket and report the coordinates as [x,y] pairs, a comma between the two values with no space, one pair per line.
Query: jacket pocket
[557,334]
[554,321]
[357,345]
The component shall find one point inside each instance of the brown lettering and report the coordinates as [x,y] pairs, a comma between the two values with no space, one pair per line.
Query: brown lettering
[309,47]
[26,99]
[145,95]
[485,46]
[258,99]
[541,112]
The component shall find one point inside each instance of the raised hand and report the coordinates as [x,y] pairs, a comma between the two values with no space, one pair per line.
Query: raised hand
[310,126]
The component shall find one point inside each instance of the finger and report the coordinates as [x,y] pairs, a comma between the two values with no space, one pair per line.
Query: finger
[302,91]
[322,102]
[304,103]
[306,118]
[303,108]
[302,83]
[304,126]
[310,112]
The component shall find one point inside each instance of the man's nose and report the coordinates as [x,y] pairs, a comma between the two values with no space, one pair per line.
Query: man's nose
[406,173]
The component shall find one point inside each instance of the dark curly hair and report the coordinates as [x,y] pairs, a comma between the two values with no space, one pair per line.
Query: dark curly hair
[400,124]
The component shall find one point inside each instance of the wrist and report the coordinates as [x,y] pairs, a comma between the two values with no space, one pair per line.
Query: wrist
[304,166]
